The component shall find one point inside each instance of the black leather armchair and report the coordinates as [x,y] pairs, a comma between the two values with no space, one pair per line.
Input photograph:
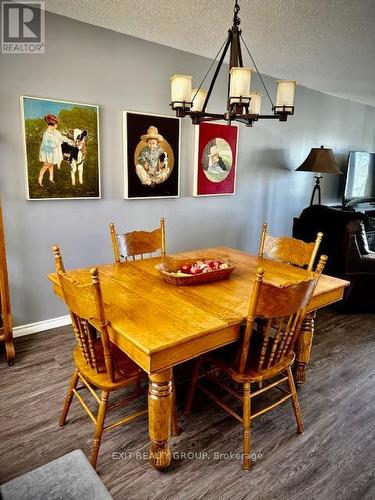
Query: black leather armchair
[349,256]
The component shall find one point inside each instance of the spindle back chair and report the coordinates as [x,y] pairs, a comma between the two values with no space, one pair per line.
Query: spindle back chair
[100,365]
[138,243]
[288,250]
[143,244]
[265,352]
[85,304]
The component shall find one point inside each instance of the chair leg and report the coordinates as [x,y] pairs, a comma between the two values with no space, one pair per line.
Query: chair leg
[246,423]
[68,398]
[174,421]
[194,379]
[99,427]
[295,402]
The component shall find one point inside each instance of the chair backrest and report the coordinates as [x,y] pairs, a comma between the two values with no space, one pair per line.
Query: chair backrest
[277,314]
[85,304]
[289,250]
[59,264]
[138,243]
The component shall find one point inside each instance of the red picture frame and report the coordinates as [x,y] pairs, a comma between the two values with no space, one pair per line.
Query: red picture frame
[215,159]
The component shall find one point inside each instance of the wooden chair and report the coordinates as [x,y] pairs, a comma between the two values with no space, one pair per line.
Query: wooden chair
[138,243]
[100,365]
[264,353]
[289,250]
[144,244]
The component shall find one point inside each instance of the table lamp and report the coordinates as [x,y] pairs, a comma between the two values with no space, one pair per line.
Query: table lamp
[319,160]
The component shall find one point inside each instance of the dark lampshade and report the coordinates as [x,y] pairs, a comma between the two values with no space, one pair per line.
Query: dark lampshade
[320,160]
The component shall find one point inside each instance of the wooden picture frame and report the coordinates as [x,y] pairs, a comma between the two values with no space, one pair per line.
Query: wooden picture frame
[61,148]
[151,155]
[215,159]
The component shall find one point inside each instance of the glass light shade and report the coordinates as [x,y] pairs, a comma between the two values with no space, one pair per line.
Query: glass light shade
[285,93]
[181,91]
[255,103]
[240,80]
[199,97]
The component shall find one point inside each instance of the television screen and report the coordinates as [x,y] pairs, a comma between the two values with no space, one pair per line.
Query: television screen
[360,178]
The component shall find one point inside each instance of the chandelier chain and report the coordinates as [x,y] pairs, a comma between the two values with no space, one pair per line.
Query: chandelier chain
[256,69]
[236,19]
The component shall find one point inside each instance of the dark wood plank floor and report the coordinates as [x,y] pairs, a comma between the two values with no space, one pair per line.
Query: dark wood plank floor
[333,459]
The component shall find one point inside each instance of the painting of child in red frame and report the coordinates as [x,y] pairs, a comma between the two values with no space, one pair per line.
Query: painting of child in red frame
[215,159]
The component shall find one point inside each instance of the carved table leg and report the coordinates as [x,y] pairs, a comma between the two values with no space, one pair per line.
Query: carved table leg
[10,352]
[159,418]
[303,348]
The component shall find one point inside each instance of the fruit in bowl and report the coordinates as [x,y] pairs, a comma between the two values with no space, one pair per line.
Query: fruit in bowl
[177,271]
[201,267]
[185,268]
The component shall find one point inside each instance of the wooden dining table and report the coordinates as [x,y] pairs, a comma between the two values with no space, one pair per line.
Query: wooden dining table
[159,325]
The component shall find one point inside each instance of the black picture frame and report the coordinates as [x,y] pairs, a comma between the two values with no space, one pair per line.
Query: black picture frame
[142,180]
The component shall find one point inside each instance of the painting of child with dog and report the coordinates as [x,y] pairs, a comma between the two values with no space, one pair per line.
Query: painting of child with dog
[61,141]
[151,155]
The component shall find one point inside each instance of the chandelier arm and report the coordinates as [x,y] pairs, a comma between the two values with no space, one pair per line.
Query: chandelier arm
[219,65]
[259,117]
[209,69]
[208,117]
[258,73]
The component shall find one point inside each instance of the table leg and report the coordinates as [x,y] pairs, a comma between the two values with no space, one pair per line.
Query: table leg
[159,418]
[303,348]
[10,352]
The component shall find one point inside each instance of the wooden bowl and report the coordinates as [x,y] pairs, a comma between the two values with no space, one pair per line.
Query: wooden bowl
[169,268]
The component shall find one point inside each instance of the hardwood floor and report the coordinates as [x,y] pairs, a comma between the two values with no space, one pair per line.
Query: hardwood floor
[333,459]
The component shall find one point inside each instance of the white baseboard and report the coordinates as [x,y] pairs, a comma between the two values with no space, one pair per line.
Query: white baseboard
[40,326]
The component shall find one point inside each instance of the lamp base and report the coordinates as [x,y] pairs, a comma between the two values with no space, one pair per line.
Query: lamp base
[316,190]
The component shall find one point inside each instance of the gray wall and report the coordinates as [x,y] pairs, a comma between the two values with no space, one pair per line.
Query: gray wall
[88,64]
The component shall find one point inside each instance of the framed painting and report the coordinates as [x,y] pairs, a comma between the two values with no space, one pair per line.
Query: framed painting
[215,159]
[151,156]
[61,144]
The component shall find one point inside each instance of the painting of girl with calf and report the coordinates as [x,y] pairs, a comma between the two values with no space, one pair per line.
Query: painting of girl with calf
[61,142]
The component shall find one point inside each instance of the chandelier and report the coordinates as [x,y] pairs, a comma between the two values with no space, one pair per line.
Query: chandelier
[242,104]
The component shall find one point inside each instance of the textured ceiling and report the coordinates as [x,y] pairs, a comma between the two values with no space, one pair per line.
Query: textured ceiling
[327,45]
